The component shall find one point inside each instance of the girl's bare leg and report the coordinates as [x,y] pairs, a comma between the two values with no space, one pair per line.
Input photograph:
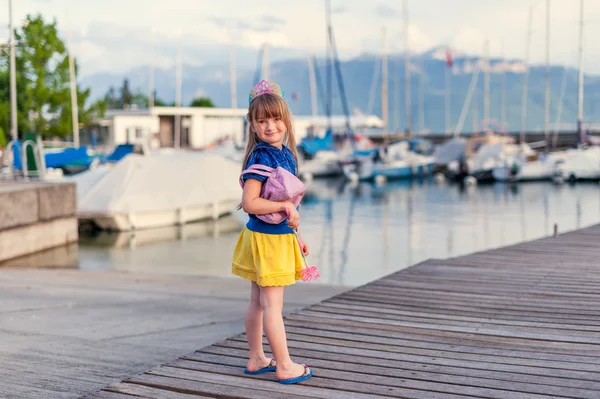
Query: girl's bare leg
[271,300]
[254,331]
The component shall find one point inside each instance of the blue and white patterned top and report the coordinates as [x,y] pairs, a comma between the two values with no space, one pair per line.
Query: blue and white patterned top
[268,155]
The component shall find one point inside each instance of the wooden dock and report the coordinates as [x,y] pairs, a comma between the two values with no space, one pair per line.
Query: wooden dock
[512,323]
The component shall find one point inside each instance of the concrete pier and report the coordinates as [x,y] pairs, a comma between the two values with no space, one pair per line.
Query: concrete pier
[36,216]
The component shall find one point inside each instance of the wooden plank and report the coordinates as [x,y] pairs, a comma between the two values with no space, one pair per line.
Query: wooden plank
[111,395]
[449,309]
[153,392]
[363,354]
[380,376]
[343,362]
[394,314]
[432,349]
[516,322]
[433,342]
[517,332]
[550,346]
[338,384]
[195,381]
[526,304]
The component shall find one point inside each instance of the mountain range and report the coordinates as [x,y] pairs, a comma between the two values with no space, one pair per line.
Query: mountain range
[427,88]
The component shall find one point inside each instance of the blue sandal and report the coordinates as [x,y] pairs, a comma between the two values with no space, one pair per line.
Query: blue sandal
[271,367]
[307,374]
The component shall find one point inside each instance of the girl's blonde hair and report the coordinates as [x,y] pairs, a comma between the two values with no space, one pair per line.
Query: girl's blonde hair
[267,106]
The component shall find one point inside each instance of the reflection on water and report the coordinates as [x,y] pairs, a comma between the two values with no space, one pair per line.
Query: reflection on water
[360,233]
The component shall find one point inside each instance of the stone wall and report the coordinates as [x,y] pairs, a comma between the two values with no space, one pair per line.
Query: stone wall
[36,216]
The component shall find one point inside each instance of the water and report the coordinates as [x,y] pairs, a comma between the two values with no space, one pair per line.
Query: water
[358,234]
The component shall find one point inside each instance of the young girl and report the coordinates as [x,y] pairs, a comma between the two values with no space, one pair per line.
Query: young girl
[268,254]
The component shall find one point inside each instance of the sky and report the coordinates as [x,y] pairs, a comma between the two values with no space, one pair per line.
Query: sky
[117,35]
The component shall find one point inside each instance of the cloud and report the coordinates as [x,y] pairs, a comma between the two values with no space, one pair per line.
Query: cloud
[340,10]
[272,20]
[265,23]
[385,12]
[255,38]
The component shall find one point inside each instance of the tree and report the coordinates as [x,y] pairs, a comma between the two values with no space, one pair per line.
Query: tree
[204,102]
[126,98]
[43,84]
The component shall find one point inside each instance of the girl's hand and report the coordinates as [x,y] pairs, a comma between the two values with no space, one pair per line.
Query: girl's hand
[303,246]
[293,215]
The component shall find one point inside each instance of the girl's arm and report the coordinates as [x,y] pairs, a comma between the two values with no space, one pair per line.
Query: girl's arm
[302,243]
[253,204]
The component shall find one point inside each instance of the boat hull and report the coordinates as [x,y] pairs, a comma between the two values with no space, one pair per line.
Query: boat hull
[149,220]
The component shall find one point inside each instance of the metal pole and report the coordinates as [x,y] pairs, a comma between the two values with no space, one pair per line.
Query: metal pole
[13,78]
[503,94]
[525,78]
[178,83]
[151,75]
[74,108]
[313,89]
[486,87]
[265,62]
[422,98]
[467,103]
[547,93]
[328,64]
[447,97]
[384,87]
[580,81]
[407,101]
[233,76]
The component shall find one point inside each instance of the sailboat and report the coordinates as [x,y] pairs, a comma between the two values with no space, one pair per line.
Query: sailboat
[582,163]
[527,166]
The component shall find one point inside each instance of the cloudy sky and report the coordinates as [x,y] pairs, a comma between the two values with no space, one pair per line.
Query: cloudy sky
[116,35]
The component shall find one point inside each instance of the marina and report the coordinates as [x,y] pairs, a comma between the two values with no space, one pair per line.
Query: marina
[359,233]
[452,201]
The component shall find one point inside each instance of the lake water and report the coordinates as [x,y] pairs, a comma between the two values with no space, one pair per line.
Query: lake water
[360,233]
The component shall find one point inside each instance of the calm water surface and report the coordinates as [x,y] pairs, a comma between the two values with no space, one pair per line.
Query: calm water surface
[360,233]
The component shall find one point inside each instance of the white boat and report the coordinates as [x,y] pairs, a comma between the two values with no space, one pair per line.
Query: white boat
[491,156]
[159,189]
[325,163]
[397,162]
[580,164]
[530,168]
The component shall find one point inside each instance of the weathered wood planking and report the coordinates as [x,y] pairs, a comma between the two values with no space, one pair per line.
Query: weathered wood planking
[515,322]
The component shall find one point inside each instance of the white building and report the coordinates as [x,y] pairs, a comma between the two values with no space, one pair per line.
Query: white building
[157,126]
[200,127]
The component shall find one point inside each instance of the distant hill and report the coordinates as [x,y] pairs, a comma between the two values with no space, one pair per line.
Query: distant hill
[212,80]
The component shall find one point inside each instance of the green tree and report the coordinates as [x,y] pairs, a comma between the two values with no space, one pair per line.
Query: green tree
[43,84]
[126,97]
[204,102]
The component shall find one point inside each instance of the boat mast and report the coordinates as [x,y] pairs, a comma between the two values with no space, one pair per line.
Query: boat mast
[486,86]
[448,75]
[329,80]
[547,91]
[526,77]
[384,86]
[232,74]
[73,83]
[313,89]
[407,101]
[580,133]
[503,93]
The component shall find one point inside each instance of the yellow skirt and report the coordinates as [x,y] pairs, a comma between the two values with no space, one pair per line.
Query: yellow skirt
[267,259]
